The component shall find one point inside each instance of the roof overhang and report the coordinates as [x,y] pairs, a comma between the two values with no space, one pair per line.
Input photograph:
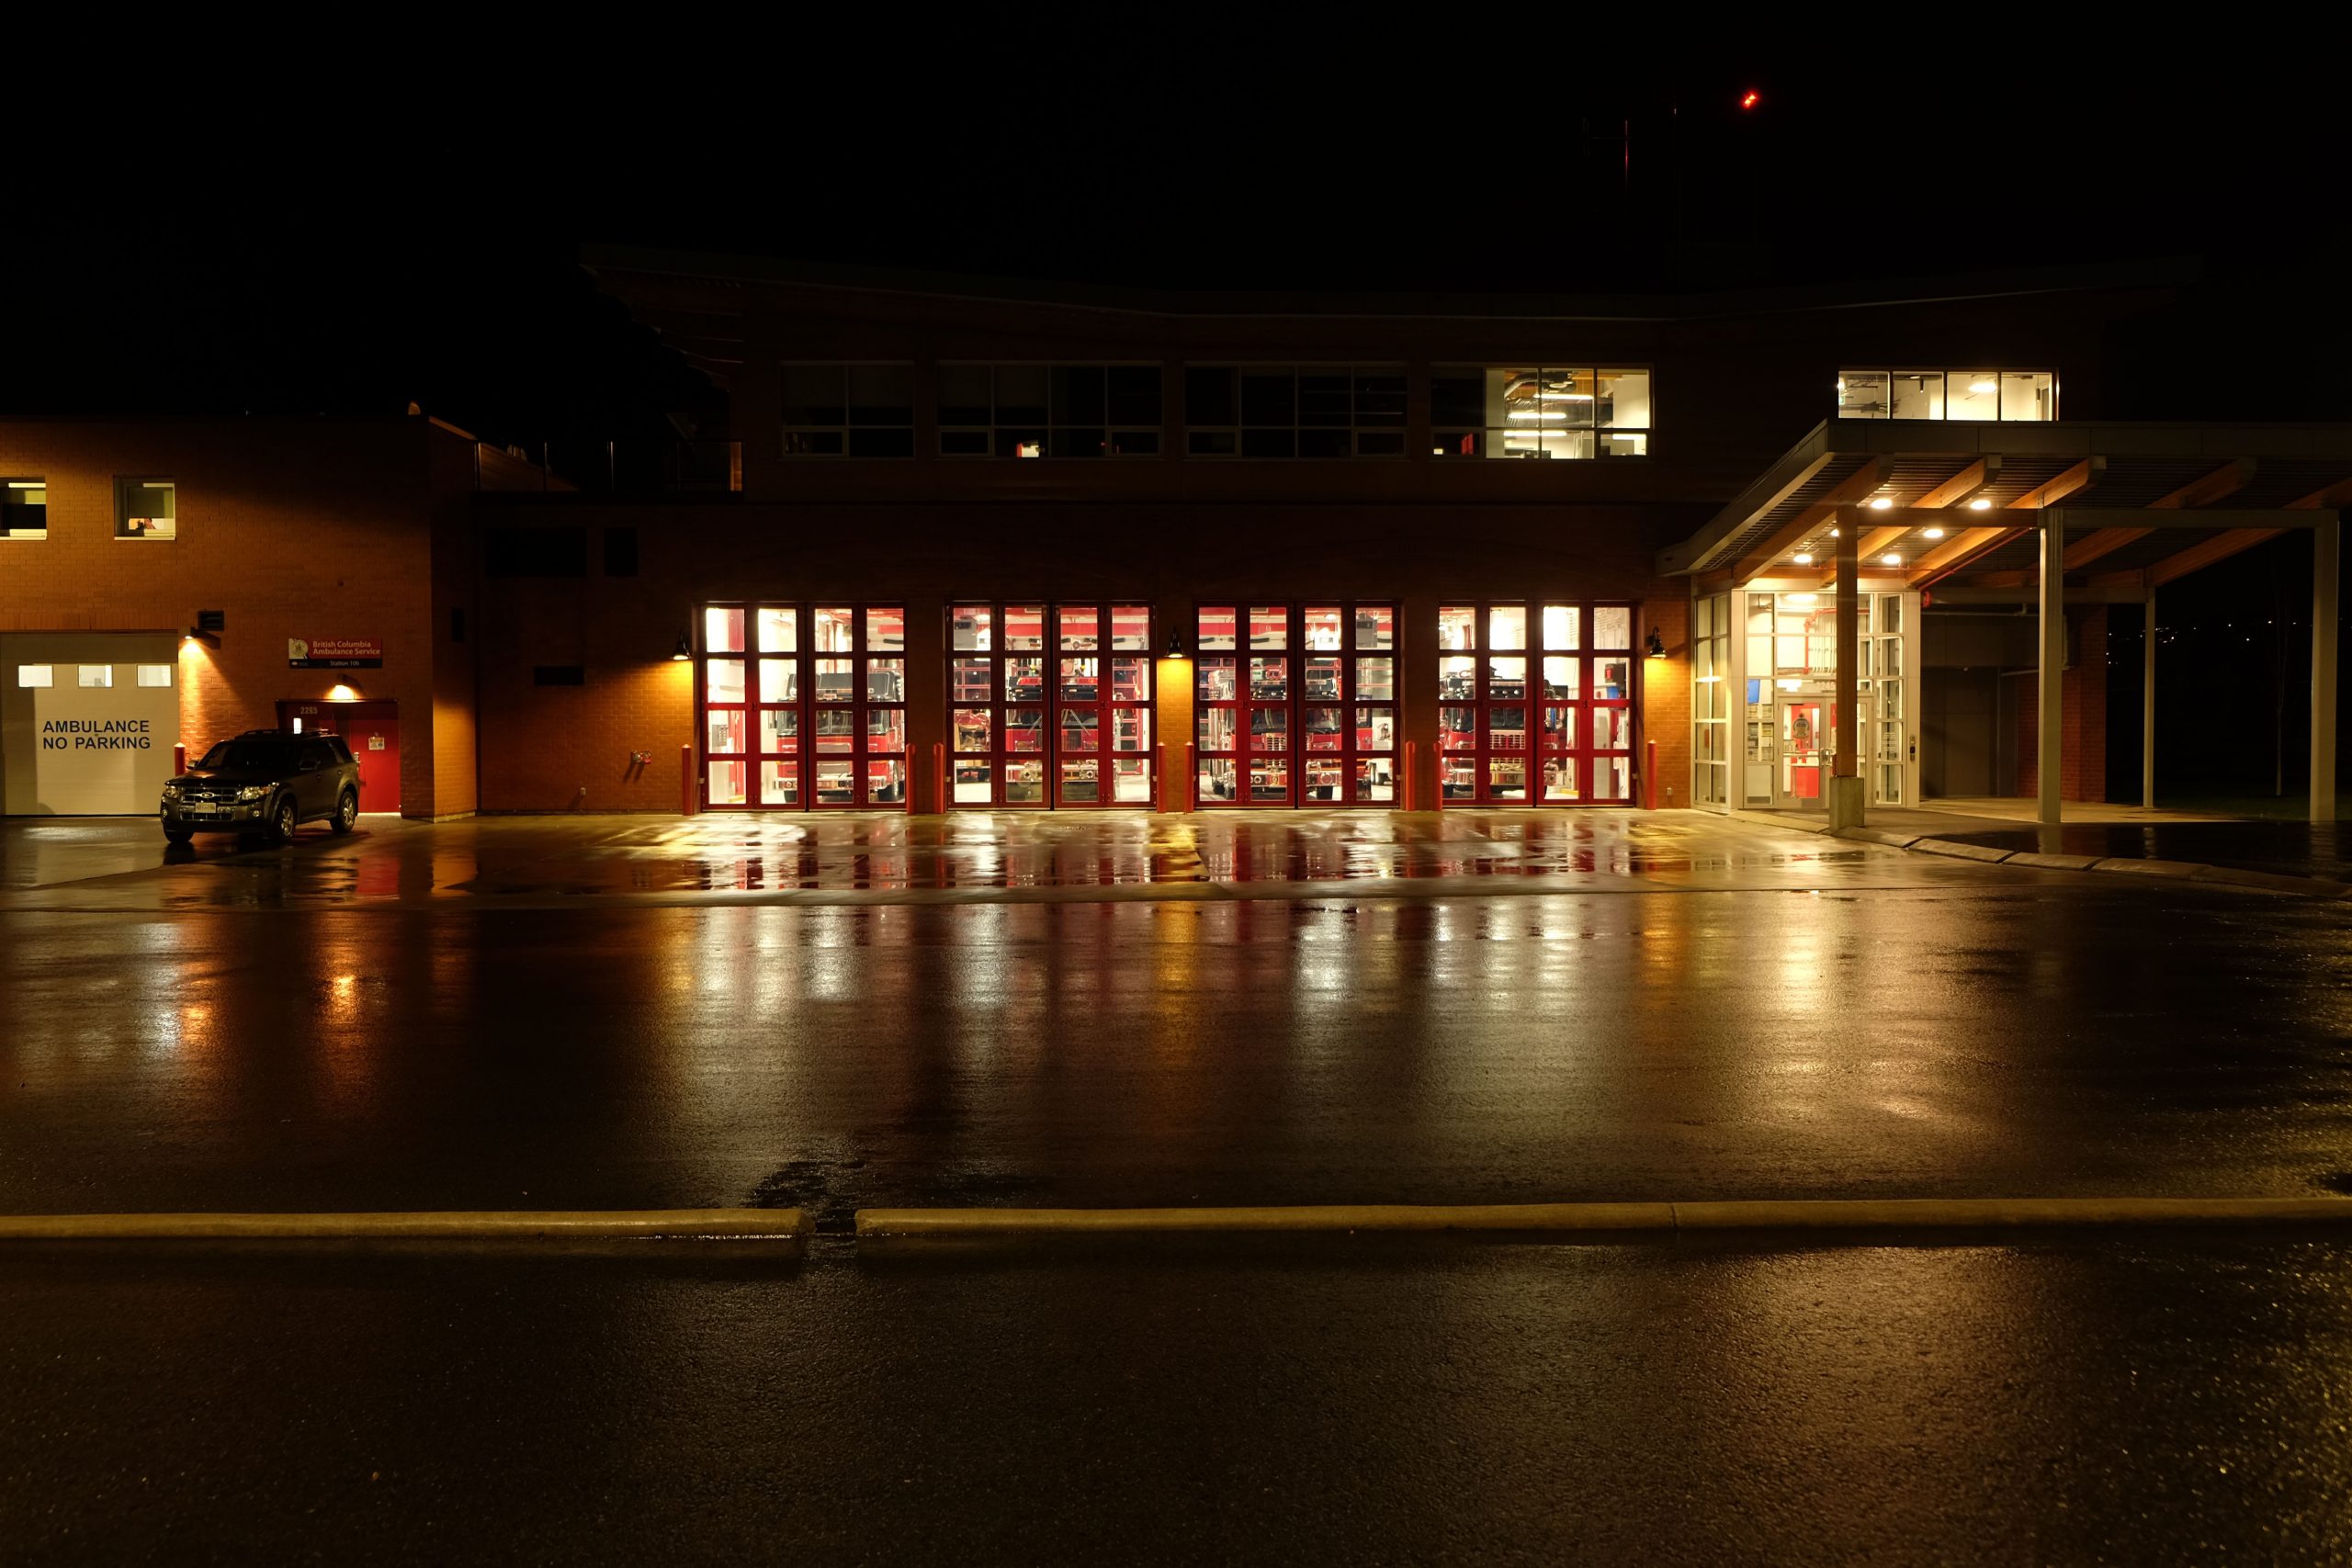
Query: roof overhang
[1954,505]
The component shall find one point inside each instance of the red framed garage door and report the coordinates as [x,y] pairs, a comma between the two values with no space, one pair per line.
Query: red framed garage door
[1295,704]
[1050,705]
[803,705]
[1535,703]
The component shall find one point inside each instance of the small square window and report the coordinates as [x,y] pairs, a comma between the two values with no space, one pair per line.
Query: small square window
[146,509]
[24,509]
[98,674]
[36,675]
[154,674]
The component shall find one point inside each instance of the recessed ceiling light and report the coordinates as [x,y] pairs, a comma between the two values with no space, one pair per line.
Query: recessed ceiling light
[1980,504]
[1802,558]
[1890,559]
[1880,503]
[1832,533]
[1932,533]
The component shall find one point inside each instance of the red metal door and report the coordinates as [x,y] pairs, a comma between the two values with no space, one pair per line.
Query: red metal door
[371,727]
[376,745]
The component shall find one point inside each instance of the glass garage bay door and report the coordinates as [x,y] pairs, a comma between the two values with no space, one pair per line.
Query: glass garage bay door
[1050,705]
[1296,705]
[803,706]
[1535,705]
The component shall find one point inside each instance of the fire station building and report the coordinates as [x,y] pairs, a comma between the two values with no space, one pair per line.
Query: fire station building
[968,545]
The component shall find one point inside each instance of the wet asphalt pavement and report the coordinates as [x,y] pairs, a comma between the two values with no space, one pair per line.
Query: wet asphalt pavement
[2174,1400]
[1337,1008]
[2288,849]
[1738,1013]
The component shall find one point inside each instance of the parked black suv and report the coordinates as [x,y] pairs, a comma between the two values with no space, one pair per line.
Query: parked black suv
[265,780]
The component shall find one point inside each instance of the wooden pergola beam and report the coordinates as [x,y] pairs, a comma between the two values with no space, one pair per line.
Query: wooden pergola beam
[2225,480]
[2338,494]
[1956,551]
[2049,492]
[2201,491]
[1857,488]
[1961,486]
[2205,552]
[2104,542]
[1868,547]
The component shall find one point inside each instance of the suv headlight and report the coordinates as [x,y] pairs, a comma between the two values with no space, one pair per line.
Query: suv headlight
[172,791]
[253,792]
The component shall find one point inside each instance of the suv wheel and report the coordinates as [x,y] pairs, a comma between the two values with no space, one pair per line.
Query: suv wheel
[283,822]
[346,813]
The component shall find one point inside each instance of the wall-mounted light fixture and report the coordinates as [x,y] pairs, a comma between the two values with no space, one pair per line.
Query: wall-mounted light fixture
[1175,644]
[684,651]
[1656,648]
[344,692]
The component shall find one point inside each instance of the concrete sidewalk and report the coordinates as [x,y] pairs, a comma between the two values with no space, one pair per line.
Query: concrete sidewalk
[977,857]
[2300,857]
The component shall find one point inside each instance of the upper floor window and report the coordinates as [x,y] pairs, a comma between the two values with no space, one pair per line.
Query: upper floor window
[2006,395]
[844,410]
[145,509]
[1539,411]
[1049,410]
[1294,410]
[24,509]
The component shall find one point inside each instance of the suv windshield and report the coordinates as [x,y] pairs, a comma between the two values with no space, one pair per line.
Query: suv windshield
[251,756]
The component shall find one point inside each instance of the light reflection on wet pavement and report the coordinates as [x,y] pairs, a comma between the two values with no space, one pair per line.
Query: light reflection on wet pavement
[124,864]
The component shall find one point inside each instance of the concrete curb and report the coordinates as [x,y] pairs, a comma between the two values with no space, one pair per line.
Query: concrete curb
[1963,851]
[2128,866]
[2041,862]
[1596,1219]
[789,1225]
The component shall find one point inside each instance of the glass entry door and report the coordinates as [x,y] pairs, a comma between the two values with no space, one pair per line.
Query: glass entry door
[1808,734]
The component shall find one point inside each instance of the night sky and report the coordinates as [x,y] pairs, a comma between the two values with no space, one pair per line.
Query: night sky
[317,244]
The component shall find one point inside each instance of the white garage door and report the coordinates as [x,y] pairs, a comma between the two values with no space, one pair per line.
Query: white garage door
[87,721]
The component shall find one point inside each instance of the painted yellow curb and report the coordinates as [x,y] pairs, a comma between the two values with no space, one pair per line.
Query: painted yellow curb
[442,1225]
[1313,1217]
[1848,1214]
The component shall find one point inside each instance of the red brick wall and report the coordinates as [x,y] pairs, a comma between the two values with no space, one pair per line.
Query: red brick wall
[556,747]
[294,529]
[455,573]
[1664,714]
[2082,740]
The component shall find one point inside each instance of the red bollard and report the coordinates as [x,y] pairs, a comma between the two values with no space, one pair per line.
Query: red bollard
[1405,781]
[1191,777]
[939,776]
[1650,779]
[685,781]
[179,761]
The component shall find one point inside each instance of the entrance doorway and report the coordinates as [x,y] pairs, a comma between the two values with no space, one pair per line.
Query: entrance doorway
[370,727]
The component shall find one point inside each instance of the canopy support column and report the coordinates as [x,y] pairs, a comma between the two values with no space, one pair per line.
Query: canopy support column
[2049,740]
[2148,694]
[1846,791]
[2328,568]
